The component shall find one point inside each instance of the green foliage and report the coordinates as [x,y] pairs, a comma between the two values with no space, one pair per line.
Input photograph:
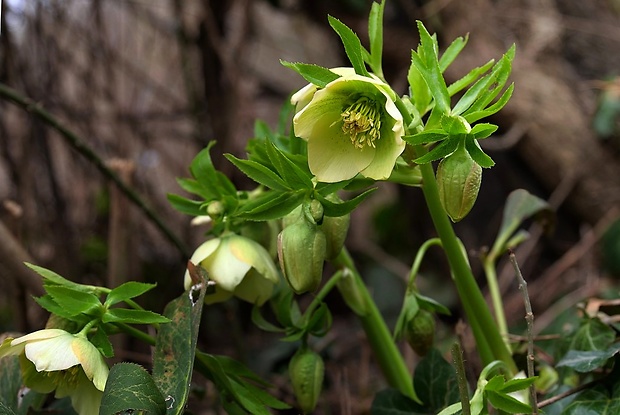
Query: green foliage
[131,388]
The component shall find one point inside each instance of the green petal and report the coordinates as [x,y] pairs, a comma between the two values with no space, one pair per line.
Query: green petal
[254,288]
[85,398]
[253,253]
[92,362]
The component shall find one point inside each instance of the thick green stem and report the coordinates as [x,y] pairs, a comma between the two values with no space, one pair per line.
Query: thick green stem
[388,356]
[484,327]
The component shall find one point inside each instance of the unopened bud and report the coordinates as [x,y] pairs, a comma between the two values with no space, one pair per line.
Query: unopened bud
[459,178]
[306,370]
[420,332]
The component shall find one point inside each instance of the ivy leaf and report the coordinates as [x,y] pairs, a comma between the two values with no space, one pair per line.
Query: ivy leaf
[352,45]
[587,361]
[435,381]
[314,74]
[600,400]
[127,291]
[130,388]
[10,381]
[520,205]
[392,402]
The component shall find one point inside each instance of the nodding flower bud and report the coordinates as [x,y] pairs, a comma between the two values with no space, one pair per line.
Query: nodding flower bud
[301,249]
[459,178]
[306,370]
[420,332]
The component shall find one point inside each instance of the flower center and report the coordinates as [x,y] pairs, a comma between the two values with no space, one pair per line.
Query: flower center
[362,122]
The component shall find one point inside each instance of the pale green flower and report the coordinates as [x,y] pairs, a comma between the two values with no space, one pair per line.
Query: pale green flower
[239,266]
[352,126]
[55,360]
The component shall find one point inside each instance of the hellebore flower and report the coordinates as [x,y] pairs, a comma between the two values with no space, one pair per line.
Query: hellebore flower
[352,126]
[54,359]
[239,266]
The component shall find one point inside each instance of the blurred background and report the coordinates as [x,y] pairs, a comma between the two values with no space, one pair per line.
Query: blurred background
[146,84]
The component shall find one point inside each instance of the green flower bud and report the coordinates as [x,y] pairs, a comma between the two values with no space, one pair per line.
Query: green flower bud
[301,249]
[351,292]
[420,332]
[335,229]
[458,178]
[306,370]
[215,209]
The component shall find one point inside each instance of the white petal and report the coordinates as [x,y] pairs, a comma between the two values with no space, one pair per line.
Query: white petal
[224,267]
[199,255]
[52,354]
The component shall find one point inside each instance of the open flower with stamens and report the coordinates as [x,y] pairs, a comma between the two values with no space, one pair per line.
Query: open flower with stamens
[352,126]
[55,360]
[238,266]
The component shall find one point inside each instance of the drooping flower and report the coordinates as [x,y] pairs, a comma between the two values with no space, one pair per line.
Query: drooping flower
[352,126]
[239,266]
[56,360]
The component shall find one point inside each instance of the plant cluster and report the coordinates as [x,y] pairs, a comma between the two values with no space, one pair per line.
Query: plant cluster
[340,135]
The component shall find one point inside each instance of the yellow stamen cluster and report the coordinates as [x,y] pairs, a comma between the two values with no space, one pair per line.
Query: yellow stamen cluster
[362,122]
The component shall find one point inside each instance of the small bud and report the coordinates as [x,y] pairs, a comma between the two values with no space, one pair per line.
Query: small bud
[335,229]
[351,292]
[459,178]
[420,332]
[315,211]
[215,210]
[301,249]
[306,370]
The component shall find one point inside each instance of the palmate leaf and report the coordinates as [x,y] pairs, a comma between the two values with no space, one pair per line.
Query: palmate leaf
[187,206]
[470,78]
[271,205]
[73,301]
[294,176]
[335,209]
[442,150]
[259,173]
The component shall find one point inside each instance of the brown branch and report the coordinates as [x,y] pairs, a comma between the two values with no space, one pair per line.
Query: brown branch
[84,149]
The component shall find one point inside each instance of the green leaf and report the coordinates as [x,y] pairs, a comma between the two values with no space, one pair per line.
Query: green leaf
[130,388]
[478,155]
[48,303]
[435,382]
[518,384]
[474,116]
[73,301]
[420,94]
[450,54]
[10,381]
[507,403]
[50,277]
[483,130]
[314,74]
[127,291]
[425,137]
[599,400]
[6,410]
[352,45]
[124,315]
[587,361]
[259,173]
[271,205]
[194,187]
[520,205]
[375,35]
[295,177]
[471,77]
[335,209]
[320,321]
[214,182]
[187,206]
[442,150]
[260,322]
[173,361]
[101,340]
[428,66]
[408,310]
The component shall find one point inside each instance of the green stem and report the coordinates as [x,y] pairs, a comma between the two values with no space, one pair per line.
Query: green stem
[496,297]
[489,341]
[326,289]
[388,356]
[138,334]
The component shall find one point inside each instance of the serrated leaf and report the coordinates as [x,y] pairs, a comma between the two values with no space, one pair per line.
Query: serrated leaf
[213,181]
[126,291]
[130,387]
[50,277]
[446,147]
[124,315]
[101,340]
[452,52]
[259,173]
[435,381]
[173,361]
[507,403]
[314,74]
[294,177]
[352,45]
[48,303]
[335,209]
[73,301]
[194,187]
[470,78]
[483,130]
[474,116]
[430,71]
[518,384]
[271,205]
[425,137]
[479,156]
[187,206]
